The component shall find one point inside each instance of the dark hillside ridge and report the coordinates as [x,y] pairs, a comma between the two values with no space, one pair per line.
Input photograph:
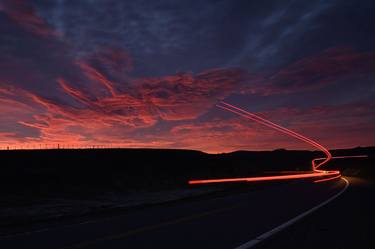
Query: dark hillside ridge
[89,171]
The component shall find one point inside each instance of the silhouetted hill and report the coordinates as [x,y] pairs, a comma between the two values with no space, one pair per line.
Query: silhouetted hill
[92,170]
[37,185]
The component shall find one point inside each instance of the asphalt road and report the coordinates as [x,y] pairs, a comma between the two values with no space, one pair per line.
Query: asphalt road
[215,222]
[346,223]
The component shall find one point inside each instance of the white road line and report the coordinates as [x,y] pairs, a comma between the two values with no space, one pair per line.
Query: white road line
[266,235]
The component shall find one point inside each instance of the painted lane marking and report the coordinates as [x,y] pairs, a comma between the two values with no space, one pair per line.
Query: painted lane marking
[266,235]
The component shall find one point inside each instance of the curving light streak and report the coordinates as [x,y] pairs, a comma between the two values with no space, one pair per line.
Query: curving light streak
[328,175]
[270,124]
[328,179]
[268,178]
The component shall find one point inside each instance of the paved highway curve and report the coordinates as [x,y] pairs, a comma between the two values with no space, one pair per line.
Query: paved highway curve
[215,222]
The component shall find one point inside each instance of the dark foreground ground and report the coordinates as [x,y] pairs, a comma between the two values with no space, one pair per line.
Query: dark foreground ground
[71,185]
[218,222]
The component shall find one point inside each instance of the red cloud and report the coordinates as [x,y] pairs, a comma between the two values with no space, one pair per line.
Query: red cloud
[7,138]
[112,114]
[13,100]
[179,97]
[109,111]
[187,96]
[94,75]
[332,125]
[340,126]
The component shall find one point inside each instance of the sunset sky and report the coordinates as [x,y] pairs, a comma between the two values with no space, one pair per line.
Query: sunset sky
[149,73]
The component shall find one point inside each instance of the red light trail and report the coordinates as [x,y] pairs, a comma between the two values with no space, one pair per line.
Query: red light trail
[328,179]
[268,178]
[315,173]
[277,127]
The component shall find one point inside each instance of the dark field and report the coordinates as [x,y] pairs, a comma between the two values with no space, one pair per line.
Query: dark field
[87,171]
[40,185]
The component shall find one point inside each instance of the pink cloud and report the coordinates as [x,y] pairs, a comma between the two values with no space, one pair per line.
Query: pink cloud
[109,110]
[113,114]
[340,126]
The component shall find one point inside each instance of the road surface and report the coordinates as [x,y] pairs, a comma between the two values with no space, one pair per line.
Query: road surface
[215,222]
[346,223]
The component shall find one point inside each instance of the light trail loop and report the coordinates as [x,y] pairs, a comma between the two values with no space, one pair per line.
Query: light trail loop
[277,127]
[330,175]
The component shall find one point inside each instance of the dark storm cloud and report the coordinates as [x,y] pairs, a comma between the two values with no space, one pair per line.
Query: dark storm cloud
[325,68]
[156,33]
[197,34]
[204,34]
